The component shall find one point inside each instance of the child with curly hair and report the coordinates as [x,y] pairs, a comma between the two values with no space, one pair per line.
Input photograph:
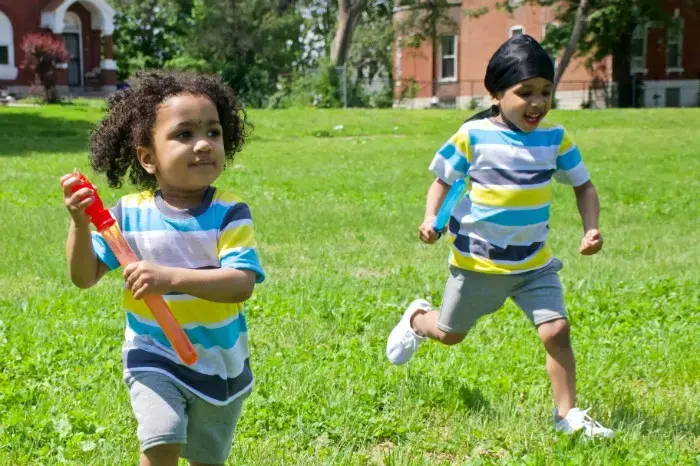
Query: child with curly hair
[173,133]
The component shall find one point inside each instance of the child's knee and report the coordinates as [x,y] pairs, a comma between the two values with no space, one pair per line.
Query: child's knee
[450,339]
[161,455]
[556,332]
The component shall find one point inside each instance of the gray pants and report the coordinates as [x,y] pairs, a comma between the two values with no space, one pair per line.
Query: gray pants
[169,413]
[471,295]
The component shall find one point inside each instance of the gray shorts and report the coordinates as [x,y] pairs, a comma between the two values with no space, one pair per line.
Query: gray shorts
[169,413]
[471,295]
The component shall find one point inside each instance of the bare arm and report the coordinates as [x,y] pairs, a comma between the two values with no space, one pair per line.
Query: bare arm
[83,266]
[436,195]
[589,209]
[224,285]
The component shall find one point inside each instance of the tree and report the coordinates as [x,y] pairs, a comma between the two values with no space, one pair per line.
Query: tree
[349,12]
[42,53]
[150,33]
[250,44]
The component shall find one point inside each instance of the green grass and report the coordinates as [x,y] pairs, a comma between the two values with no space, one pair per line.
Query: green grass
[337,214]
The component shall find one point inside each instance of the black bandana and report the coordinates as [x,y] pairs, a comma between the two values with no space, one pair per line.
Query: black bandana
[518,59]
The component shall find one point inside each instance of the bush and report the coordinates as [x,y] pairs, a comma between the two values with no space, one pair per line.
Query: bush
[42,53]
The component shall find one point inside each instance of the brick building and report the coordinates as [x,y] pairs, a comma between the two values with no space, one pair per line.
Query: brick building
[666,61]
[86,27]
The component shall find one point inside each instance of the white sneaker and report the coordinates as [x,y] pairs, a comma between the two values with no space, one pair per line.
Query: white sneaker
[403,341]
[577,419]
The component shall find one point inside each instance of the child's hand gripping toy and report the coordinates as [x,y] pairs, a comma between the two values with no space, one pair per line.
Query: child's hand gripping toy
[107,226]
[453,196]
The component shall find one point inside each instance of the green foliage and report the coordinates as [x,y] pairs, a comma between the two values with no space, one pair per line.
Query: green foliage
[149,34]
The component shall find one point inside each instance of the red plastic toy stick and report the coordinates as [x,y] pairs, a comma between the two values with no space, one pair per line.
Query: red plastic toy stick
[107,226]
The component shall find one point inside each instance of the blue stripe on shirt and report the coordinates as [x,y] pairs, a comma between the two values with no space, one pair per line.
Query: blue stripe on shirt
[569,160]
[506,137]
[508,217]
[223,337]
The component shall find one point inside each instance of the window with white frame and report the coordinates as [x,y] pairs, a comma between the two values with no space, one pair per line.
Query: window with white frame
[448,58]
[516,30]
[8,70]
[515,3]
[639,49]
[674,45]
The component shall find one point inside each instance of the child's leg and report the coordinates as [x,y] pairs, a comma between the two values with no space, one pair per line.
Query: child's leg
[425,324]
[540,295]
[468,296]
[162,455]
[561,365]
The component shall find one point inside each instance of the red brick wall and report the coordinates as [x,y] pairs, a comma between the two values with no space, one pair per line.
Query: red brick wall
[478,38]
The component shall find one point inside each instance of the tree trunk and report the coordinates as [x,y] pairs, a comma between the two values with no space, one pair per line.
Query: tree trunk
[349,12]
[622,71]
[577,31]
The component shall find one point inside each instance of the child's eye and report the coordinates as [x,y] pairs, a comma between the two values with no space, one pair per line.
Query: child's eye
[547,93]
[214,133]
[525,94]
[183,135]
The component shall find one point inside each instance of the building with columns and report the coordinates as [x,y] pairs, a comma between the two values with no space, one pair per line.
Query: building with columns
[86,27]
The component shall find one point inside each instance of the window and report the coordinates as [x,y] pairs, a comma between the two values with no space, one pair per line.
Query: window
[515,3]
[448,58]
[8,70]
[639,49]
[674,45]
[673,96]
[516,30]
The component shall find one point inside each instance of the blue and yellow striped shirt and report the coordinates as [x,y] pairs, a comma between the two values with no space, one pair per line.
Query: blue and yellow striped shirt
[501,225]
[217,233]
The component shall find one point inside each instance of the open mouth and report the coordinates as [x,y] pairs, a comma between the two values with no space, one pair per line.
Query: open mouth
[202,164]
[533,118]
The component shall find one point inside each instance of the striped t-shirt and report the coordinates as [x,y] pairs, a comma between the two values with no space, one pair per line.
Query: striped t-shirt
[501,225]
[217,233]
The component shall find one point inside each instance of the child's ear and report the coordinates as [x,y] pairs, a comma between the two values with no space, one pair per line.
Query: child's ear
[496,98]
[147,159]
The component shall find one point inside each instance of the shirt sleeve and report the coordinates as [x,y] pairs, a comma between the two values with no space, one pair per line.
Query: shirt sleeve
[236,246]
[99,244]
[570,167]
[452,161]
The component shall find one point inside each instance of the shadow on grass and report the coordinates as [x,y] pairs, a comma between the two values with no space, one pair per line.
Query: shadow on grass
[473,399]
[627,414]
[23,134]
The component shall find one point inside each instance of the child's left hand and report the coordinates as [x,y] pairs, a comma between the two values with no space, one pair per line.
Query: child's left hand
[591,243]
[145,277]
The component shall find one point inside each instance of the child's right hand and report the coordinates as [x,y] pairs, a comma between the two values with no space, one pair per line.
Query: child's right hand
[76,202]
[427,232]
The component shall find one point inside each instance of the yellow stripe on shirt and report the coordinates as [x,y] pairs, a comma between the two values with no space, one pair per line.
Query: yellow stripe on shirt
[505,197]
[186,311]
[461,141]
[483,265]
[240,237]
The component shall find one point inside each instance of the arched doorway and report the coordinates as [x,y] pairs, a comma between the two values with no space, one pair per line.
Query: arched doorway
[73,40]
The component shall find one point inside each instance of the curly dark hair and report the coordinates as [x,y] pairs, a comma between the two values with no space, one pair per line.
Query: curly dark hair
[131,114]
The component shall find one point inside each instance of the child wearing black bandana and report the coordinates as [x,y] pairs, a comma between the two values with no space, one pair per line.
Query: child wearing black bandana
[499,229]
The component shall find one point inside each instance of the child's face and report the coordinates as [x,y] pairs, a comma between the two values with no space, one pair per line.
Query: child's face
[188,146]
[526,104]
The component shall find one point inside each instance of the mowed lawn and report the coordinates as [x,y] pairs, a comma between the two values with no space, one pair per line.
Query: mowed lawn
[336,213]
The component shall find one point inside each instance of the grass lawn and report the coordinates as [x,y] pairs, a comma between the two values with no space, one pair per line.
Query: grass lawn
[337,213]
